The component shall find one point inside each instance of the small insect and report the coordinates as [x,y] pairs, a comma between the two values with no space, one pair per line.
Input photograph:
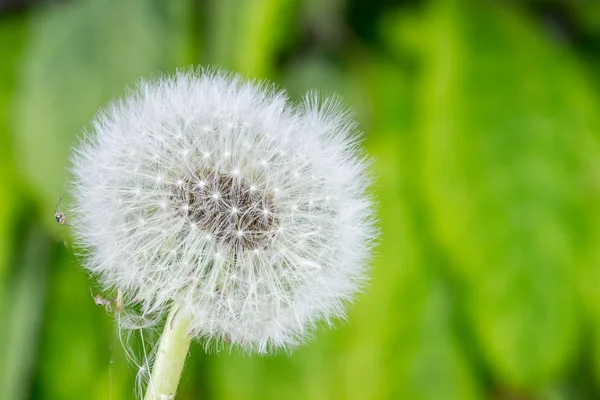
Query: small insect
[101,301]
[59,215]
[107,304]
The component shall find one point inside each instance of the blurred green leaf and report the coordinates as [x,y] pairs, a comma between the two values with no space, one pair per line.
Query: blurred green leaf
[24,319]
[403,338]
[264,25]
[12,34]
[587,15]
[423,355]
[83,357]
[246,35]
[311,73]
[503,169]
[179,18]
[12,379]
[80,55]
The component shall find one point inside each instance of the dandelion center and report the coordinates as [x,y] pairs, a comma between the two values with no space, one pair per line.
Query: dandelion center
[228,207]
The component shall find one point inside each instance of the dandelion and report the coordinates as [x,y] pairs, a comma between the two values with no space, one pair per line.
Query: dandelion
[217,201]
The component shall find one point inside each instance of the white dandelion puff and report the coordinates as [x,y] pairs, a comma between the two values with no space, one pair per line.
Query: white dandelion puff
[218,194]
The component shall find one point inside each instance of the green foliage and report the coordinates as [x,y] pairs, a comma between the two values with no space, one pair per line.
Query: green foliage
[502,168]
[12,36]
[484,131]
[80,56]
[28,291]
[246,35]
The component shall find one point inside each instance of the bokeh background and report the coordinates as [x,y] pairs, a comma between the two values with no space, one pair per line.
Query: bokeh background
[483,119]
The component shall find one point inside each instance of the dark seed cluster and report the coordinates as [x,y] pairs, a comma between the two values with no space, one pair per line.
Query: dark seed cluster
[228,207]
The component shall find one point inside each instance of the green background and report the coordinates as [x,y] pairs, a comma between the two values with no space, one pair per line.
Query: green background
[483,119]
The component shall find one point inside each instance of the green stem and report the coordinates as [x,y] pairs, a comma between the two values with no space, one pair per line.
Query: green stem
[170,357]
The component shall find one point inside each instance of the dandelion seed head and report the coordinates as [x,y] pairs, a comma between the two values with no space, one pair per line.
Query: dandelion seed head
[218,193]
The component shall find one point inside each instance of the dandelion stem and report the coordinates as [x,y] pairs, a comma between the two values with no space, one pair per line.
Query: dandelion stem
[170,357]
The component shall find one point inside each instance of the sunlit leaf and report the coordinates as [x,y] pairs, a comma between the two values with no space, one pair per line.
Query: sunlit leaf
[246,35]
[504,174]
[405,343]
